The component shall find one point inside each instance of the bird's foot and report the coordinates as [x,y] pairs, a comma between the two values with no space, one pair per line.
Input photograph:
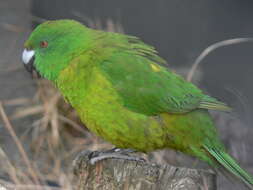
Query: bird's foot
[115,153]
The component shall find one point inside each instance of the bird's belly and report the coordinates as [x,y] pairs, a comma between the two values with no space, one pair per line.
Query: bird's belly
[123,128]
[127,129]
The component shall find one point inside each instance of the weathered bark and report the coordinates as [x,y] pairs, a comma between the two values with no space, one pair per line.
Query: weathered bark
[117,174]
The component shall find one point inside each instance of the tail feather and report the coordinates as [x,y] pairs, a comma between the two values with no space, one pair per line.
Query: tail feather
[231,166]
[212,104]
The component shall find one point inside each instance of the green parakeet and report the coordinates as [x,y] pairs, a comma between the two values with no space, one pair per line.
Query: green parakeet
[123,93]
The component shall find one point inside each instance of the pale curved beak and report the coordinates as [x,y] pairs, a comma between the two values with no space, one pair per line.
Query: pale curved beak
[28,59]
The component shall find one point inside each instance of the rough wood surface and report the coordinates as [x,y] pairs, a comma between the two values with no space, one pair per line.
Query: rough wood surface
[117,174]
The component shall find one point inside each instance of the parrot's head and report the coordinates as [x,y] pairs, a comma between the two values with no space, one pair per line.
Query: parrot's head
[52,45]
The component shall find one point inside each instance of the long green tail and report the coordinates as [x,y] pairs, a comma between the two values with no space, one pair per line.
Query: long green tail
[231,166]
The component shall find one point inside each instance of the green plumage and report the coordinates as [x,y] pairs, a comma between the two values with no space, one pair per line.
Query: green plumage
[123,93]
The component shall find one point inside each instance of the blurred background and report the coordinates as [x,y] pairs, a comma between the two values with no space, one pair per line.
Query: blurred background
[49,132]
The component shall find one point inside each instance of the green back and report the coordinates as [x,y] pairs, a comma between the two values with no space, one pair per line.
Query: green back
[145,85]
[149,88]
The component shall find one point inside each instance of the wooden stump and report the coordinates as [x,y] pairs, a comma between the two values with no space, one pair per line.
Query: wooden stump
[119,174]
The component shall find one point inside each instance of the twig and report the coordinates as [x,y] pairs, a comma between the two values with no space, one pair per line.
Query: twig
[33,110]
[9,185]
[16,101]
[213,47]
[72,123]
[19,145]
[11,169]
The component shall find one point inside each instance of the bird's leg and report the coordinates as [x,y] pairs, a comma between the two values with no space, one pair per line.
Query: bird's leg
[115,153]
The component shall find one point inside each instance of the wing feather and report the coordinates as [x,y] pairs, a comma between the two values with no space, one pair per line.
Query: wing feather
[146,86]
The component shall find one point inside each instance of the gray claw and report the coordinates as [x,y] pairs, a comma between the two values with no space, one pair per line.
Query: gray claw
[96,156]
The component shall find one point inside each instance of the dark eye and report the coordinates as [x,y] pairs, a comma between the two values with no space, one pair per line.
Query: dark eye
[43,44]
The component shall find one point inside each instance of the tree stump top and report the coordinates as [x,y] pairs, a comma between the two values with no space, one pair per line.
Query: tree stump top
[117,174]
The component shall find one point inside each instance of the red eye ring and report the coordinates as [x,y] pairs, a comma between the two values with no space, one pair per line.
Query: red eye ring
[43,44]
